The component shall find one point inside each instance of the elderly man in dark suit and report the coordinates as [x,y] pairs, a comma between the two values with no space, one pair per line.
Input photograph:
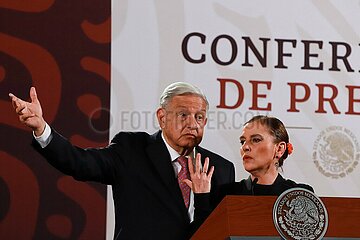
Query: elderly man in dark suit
[151,197]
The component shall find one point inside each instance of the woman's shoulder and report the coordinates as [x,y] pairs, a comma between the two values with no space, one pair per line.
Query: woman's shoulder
[292,184]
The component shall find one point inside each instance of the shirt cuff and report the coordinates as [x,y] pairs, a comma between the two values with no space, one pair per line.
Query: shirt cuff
[45,138]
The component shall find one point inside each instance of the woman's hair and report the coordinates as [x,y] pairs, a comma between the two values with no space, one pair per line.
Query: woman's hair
[180,88]
[276,129]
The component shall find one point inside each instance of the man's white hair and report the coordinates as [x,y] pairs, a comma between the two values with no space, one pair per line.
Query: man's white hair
[180,88]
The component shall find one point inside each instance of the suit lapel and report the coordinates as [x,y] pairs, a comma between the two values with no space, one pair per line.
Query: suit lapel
[160,158]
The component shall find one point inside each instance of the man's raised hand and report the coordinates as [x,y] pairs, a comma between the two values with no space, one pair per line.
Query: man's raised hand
[30,113]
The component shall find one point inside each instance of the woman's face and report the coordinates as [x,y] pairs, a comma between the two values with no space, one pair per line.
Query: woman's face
[258,149]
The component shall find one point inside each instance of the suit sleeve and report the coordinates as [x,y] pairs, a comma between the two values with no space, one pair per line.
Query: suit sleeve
[202,210]
[92,164]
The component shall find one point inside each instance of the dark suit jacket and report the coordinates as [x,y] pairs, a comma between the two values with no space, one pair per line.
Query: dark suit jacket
[147,197]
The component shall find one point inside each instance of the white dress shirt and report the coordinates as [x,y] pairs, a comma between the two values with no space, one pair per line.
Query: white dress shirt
[174,155]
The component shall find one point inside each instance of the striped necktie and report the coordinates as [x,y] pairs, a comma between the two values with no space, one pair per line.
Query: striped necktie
[184,174]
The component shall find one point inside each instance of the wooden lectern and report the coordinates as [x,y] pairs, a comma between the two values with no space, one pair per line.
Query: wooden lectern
[252,216]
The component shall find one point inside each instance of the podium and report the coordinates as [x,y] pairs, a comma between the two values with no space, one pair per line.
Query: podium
[251,217]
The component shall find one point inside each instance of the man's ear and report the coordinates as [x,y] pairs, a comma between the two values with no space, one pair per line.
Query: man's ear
[160,114]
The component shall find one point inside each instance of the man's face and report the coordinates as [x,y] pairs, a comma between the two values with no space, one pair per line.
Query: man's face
[182,122]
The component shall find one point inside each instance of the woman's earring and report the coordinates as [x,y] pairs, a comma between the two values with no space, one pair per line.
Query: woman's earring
[277,164]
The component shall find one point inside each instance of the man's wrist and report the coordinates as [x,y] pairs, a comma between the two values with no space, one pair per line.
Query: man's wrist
[45,138]
[38,132]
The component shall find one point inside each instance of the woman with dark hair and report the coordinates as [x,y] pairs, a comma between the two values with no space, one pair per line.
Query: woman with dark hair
[264,147]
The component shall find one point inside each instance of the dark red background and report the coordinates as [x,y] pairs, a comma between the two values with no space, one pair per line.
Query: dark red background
[63,49]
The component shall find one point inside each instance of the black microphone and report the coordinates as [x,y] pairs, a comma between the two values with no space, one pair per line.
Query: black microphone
[253,184]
